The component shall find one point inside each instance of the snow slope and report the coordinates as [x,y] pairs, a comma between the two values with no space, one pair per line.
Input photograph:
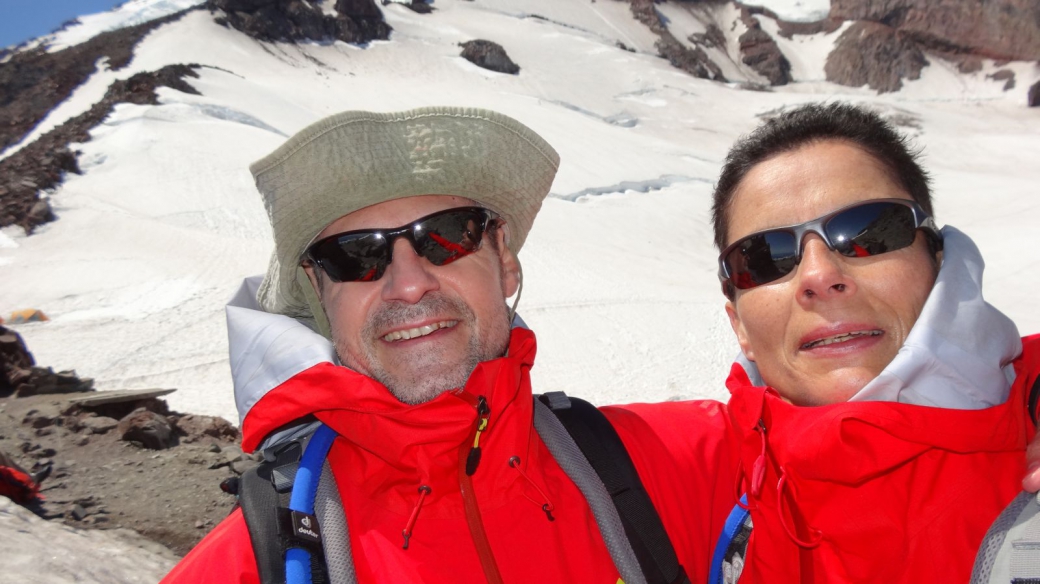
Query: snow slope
[619,269]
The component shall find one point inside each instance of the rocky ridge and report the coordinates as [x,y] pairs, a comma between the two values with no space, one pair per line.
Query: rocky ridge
[116,460]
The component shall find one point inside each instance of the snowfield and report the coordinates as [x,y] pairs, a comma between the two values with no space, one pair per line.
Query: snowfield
[620,282]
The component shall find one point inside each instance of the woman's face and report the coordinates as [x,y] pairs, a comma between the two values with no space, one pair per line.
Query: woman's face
[822,332]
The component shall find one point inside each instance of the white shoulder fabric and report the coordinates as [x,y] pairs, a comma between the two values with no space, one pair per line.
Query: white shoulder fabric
[959,351]
[267,349]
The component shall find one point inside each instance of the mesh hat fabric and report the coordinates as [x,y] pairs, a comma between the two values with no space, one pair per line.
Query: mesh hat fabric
[355,159]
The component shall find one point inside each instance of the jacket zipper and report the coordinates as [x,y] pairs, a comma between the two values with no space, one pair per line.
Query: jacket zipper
[469,459]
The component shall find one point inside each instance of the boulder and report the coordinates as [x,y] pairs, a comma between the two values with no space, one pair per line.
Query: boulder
[98,424]
[873,54]
[1033,99]
[148,428]
[195,428]
[488,55]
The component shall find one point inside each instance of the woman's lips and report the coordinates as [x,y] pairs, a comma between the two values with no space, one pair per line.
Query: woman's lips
[841,338]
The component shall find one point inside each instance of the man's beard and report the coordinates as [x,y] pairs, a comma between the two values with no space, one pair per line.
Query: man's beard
[426,374]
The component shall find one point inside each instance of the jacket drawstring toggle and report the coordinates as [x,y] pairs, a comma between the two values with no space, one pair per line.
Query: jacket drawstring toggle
[483,414]
[758,471]
[407,532]
[547,506]
[817,535]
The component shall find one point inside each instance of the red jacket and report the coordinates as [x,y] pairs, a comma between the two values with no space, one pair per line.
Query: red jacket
[876,491]
[387,450]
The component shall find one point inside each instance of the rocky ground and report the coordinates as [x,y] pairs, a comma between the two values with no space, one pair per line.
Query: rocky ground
[121,460]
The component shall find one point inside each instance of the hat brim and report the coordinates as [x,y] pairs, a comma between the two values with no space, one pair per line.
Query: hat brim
[356,159]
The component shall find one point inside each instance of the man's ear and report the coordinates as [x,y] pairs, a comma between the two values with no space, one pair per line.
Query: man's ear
[314,276]
[508,263]
[738,329]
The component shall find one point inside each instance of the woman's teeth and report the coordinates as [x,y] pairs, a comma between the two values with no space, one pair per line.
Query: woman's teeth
[840,339]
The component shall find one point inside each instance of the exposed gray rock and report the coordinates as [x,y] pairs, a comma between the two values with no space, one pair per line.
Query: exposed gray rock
[16,361]
[489,55]
[995,29]
[1033,98]
[98,424]
[1005,75]
[876,55]
[356,21]
[760,52]
[195,428]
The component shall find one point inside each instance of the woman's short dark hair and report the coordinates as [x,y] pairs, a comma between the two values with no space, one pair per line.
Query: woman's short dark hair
[816,122]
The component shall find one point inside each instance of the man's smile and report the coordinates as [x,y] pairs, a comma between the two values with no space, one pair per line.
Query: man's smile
[422,331]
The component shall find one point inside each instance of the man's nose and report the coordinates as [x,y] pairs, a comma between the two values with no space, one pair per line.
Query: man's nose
[822,272]
[408,277]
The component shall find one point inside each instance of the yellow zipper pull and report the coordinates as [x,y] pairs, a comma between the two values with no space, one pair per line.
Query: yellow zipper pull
[483,413]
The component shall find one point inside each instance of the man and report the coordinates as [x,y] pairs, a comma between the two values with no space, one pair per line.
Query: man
[396,238]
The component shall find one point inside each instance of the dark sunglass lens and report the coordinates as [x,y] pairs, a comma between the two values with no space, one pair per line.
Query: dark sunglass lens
[447,237]
[357,257]
[762,258]
[872,229]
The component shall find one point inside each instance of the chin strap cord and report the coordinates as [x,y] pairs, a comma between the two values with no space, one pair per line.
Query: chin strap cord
[519,290]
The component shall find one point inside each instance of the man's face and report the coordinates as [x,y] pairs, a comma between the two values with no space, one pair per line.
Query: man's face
[420,329]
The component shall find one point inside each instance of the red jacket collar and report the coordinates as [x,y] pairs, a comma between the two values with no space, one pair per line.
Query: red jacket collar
[819,442]
[425,436]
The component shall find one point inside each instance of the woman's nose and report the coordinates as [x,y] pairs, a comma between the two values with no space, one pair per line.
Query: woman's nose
[822,273]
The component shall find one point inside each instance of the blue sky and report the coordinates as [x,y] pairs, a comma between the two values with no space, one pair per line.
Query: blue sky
[25,19]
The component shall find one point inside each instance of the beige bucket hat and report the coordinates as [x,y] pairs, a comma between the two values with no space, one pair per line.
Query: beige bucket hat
[356,159]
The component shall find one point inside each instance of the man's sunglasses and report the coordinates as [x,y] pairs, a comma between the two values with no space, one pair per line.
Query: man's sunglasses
[363,255]
[867,228]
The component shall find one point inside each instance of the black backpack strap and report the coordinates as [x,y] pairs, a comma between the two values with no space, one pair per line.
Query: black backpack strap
[260,502]
[601,445]
[263,491]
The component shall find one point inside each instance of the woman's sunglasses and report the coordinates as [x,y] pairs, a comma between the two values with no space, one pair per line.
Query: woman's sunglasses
[864,229]
[363,255]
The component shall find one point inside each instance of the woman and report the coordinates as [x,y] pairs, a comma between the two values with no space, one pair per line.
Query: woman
[880,402]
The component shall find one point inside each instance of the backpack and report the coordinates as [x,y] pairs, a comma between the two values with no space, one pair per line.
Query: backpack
[298,528]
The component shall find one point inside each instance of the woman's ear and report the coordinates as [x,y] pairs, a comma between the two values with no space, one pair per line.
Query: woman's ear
[738,329]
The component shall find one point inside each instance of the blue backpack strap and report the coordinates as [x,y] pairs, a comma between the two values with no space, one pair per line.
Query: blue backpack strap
[733,525]
[298,522]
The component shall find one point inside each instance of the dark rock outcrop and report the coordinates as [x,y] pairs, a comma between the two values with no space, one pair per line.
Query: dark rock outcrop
[488,55]
[759,51]
[33,82]
[1033,98]
[1005,75]
[826,26]
[995,29]
[42,164]
[876,55]
[356,21]
[692,60]
[16,361]
[711,38]
[45,381]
